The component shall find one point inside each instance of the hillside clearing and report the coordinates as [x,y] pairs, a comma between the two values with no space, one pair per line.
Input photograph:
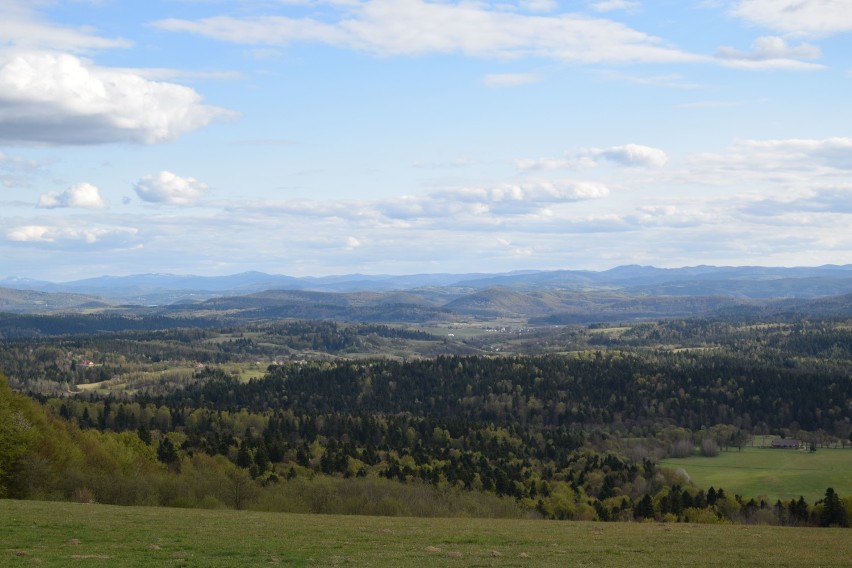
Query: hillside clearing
[774,473]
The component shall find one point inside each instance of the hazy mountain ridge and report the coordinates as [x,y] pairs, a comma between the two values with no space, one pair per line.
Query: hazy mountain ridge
[26,301]
[561,296]
[775,281]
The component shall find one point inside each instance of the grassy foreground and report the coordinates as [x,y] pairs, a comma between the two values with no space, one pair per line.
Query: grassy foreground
[777,474]
[69,534]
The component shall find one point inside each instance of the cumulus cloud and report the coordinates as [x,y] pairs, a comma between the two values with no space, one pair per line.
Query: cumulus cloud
[50,94]
[169,188]
[630,155]
[56,98]
[771,52]
[806,17]
[414,27]
[83,195]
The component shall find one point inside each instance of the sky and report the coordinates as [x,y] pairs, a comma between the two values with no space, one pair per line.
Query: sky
[317,137]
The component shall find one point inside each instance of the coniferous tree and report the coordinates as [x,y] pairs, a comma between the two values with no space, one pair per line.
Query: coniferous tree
[833,512]
[144,434]
[645,508]
[166,452]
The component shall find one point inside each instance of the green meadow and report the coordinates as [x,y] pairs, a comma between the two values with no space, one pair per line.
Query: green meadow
[68,534]
[772,473]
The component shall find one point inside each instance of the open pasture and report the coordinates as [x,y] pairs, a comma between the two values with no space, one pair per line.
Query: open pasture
[68,534]
[772,473]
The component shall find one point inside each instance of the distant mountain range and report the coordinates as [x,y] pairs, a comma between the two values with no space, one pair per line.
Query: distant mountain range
[560,296]
[744,281]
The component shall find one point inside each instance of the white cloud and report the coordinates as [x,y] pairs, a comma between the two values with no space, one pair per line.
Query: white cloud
[55,98]
[805,17]
[566,163]
[799,158]
[413,27]
[58,234]
[21,27]
[169,188]
[486,204]
[83,195]
[612,5]
[467,206]
[771,52]
[16,171]
[631,155]
[802,153]
[818,198]
[50,95]
[352,243]
[533,192]
[767,169]
[510,79]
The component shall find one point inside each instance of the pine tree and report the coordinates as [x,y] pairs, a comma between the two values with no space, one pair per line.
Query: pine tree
[166,452]
[645,508]
[833,512]
[144,434]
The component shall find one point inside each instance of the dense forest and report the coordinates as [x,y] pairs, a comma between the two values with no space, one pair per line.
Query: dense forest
[571,425]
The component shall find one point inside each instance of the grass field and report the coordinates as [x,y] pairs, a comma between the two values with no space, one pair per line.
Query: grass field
[777,474]
[68,534]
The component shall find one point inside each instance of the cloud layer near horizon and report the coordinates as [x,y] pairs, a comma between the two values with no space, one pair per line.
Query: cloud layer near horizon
[511,220]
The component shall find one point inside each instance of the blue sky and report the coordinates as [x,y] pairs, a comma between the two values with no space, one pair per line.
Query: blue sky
[315,137]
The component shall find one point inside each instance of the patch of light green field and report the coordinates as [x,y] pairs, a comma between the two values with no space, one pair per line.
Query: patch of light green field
[772,473]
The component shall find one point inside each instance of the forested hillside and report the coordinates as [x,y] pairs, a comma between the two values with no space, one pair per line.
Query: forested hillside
[570,423]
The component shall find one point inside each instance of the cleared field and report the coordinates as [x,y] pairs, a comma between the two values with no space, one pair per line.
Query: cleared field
[68,534]
[777,474]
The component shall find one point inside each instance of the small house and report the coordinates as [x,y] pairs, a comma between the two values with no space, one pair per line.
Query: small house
[787,443]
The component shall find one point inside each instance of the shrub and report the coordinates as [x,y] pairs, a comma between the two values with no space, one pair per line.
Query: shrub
[709,448]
